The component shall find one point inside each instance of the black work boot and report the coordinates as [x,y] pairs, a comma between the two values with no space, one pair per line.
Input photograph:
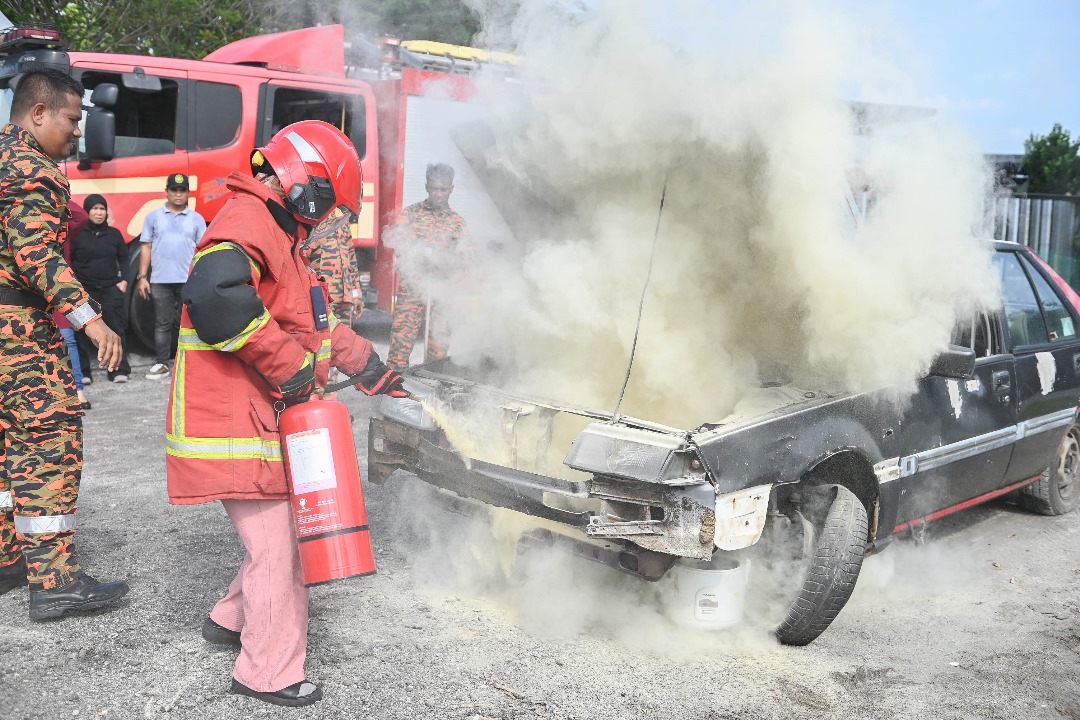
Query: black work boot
[13,576]
[82,593]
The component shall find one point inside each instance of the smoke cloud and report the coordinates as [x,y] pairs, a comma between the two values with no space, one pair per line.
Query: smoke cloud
[735,114]
[760,272]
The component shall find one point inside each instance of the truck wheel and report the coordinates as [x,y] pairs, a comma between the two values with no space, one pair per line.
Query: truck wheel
[1056,490]
[832,570]
[140,313]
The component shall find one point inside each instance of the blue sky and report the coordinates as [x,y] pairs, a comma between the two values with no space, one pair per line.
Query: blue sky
[1003,69]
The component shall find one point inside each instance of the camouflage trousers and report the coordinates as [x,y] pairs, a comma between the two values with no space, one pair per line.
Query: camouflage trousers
[410,316]
[40,449]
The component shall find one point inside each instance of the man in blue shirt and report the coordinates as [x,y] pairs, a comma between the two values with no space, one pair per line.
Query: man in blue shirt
[169,237]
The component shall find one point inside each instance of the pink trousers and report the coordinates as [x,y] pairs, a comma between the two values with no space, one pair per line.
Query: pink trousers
[267,601]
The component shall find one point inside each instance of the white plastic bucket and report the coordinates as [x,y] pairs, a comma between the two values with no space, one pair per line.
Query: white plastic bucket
[709,595]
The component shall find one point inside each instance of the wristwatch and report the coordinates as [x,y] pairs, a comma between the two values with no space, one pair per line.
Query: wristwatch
[141,277]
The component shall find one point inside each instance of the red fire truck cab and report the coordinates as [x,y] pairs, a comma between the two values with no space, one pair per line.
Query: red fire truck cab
[150,117]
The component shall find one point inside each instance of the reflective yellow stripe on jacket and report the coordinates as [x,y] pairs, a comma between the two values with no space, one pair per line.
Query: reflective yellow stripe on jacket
[177,443]
[223,448]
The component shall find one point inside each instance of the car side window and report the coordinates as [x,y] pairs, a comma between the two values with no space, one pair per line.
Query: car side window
[1059,322]
[980,333]
[1022,310]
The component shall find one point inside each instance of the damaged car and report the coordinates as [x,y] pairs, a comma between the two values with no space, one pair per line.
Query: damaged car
[829,476]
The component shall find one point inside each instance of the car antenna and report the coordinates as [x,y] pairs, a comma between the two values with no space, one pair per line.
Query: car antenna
[641,303]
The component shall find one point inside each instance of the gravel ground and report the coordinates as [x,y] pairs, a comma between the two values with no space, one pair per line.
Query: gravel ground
[982,621]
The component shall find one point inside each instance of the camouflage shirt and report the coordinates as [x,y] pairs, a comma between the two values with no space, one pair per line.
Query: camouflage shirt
[334,259]
[443,229]
[33,219]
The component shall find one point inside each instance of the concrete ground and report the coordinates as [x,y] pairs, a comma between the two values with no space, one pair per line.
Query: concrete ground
[983,621]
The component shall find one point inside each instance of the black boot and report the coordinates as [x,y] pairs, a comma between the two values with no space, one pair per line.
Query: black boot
[13,576]
[82,593]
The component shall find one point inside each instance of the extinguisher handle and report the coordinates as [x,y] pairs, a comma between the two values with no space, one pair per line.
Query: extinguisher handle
[346,383]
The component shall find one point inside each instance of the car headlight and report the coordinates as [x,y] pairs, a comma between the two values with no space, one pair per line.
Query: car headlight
[406,410]
[635,454]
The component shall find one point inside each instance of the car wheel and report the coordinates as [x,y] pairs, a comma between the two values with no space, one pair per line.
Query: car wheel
[833,568]
[1056,490]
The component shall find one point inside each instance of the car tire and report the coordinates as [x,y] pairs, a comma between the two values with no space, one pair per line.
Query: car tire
[832,571]
[1057,489]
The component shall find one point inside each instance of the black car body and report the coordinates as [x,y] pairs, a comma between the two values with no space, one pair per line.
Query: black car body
[837,473]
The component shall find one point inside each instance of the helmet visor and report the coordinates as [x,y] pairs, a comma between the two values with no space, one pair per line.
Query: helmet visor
[338,218]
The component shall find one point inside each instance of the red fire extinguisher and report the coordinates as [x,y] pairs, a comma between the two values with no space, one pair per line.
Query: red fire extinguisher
[327,499]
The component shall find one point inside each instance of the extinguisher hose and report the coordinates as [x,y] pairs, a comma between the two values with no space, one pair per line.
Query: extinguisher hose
[349,382]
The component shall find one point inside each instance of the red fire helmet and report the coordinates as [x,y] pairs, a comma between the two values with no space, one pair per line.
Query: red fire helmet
[318,167]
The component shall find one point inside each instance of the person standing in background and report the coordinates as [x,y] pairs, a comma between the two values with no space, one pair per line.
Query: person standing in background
[40,415]
[98,256]
[433,234]
[169,237]
[334,260]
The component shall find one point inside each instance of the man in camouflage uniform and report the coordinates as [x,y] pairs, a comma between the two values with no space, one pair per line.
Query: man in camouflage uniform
[334,260]
[433,224]
[40,414]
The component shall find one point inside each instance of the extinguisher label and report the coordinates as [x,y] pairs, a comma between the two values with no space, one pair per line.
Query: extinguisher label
[311,462]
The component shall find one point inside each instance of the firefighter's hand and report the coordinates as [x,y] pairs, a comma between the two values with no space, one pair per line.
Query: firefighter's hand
[300,386]
[110,349]
[378,379]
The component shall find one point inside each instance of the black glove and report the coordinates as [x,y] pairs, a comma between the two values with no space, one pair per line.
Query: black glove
[300,386]
[377,379]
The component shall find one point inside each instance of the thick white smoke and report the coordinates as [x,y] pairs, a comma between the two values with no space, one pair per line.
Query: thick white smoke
[760,273]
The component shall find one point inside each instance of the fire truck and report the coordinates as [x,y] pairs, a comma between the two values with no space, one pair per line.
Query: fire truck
[404,104]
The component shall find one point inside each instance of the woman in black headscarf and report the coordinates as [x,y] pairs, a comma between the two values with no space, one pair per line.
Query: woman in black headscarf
[98,257]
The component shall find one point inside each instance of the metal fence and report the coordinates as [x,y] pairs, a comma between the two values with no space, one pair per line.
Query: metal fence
[1048,224]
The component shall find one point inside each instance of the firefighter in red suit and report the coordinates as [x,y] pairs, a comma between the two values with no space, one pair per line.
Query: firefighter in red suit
[255,336]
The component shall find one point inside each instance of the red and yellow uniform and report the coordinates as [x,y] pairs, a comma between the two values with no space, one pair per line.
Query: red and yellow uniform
[414,312]
[249,295]
[40,414]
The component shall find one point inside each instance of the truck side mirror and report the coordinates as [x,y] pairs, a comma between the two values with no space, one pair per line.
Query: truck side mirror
[99,136]
[956,362]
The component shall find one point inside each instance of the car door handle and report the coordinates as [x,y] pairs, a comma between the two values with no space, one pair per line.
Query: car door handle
[1002,381]
[1076,363]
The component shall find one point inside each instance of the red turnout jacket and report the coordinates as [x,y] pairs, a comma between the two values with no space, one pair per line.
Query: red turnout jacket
[222,440]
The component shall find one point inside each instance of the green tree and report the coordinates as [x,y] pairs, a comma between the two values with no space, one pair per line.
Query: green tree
[451,21]
[1052,163]
[441,20]
[168,28]
[193,28]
